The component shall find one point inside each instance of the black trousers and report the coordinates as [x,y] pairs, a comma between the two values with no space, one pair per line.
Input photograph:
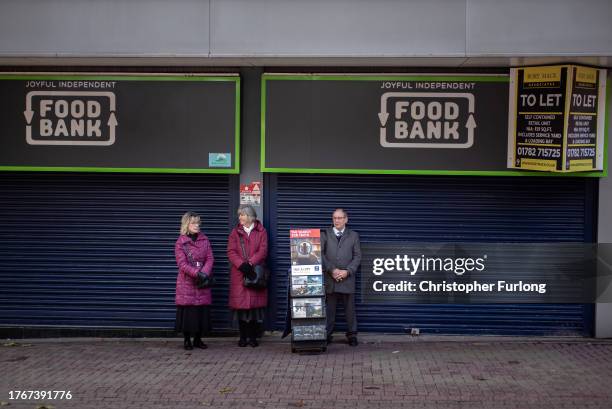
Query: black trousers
[348,300]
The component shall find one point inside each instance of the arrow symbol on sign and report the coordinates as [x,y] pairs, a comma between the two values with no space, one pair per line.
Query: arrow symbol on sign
[112,123]
[470,125]
[112,120]
[29,114]
[383,116]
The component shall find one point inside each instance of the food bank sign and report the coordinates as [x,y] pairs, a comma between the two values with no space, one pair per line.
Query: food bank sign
[427,120]
[70,118]
[421,123]
[120,123]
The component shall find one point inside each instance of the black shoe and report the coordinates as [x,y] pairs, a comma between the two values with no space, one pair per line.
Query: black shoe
[353,341]
[197,343]
[253,342]
[329,339]
[242,343]
[187,345]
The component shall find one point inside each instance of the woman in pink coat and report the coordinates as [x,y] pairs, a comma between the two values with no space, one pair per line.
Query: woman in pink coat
[248,305]
[193,254]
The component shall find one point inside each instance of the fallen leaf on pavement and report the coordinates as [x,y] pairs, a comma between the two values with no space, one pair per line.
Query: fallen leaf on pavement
[15,344]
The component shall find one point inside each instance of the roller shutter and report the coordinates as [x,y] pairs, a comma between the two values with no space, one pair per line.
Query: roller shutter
[388,208]
[97,250]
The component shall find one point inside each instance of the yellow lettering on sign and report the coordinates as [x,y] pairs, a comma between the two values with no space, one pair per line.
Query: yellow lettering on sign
[541,74]
[586,74]
[581,165]
[539,164]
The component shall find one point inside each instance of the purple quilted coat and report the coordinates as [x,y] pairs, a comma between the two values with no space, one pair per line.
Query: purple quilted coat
[186,291]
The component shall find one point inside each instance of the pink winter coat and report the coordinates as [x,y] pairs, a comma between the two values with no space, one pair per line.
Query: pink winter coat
[186,291]
[256,246]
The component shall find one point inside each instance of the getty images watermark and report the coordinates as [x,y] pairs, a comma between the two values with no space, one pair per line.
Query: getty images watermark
[495,273]
[458,266]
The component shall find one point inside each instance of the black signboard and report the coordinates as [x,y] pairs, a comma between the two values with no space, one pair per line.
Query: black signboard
[540,118]
[428,124]
[556,118]
[120,123]
[582,150]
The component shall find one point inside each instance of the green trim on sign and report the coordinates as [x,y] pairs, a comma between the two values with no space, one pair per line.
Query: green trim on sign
[236,167]
[112,170]
[73,77]
[319,77]
[262,142]
[606,125]
[430,172]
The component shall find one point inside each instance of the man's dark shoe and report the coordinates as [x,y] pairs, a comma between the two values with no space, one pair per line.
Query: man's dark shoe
[353,341]
[253,343]
[242,343]
[187,345]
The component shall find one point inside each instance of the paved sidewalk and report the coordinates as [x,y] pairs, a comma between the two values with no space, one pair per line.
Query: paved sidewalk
[384,371]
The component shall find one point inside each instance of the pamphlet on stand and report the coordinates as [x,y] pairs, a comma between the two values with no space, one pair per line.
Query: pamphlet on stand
[307,293]
[307,308]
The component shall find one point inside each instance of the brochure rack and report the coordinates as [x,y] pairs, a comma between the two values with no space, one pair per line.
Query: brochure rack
[307,292]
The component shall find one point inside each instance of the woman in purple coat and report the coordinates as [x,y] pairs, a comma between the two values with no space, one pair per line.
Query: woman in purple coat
[193,254]
[248,305]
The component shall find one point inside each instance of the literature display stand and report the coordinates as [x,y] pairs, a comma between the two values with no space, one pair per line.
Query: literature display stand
[307,293]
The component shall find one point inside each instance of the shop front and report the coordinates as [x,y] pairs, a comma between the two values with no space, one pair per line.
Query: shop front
[97,171]
[418,159]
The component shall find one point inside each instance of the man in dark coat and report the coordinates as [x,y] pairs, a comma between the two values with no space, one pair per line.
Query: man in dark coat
[341,260]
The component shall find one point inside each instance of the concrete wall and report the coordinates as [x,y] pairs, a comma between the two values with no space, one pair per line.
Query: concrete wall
[540,27]
[603,312]
[315,28]
[338,28]
[250,136]
[104,27]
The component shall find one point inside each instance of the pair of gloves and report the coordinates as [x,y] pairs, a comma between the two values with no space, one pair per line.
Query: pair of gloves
[247,270]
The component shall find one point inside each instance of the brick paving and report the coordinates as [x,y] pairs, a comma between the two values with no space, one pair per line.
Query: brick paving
[382,372]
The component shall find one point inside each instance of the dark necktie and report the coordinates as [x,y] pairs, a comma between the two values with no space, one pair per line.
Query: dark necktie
[339,235]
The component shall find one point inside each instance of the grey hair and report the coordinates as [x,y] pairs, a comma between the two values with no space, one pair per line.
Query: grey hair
[340,209]
[248,211]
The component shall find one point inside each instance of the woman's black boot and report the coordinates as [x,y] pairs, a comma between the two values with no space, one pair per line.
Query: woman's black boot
[253,333]
[243,327]
[197,342]
[187,342]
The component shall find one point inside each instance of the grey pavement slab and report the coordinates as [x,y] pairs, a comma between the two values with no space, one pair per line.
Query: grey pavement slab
[384,371]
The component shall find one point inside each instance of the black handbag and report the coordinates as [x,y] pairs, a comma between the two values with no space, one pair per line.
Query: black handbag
[203,280]
[261,276]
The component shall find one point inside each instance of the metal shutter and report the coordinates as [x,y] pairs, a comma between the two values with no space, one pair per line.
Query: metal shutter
[97,250]
[388,208]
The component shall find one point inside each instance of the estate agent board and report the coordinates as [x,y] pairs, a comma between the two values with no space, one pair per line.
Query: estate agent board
[556,118]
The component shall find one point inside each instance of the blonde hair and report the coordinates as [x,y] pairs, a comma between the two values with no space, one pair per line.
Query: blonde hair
[186,219]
